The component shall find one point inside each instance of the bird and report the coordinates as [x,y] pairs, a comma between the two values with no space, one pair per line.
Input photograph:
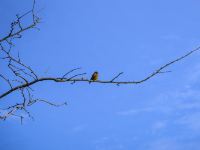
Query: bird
[95,76]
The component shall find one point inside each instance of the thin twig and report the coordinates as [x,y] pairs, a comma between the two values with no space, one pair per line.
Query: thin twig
[116,76]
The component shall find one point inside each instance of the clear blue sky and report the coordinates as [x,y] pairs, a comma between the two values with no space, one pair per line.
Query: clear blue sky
[110,36]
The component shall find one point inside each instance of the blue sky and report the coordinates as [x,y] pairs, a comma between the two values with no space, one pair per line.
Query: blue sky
[110,36]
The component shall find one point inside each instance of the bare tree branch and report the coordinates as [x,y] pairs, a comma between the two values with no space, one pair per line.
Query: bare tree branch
[116,76]
[71,79]
[17,23]
[21,73]
[24,77]
[70,72]
[7,80]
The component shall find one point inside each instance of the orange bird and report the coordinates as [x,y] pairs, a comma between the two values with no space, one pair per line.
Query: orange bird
[95,76]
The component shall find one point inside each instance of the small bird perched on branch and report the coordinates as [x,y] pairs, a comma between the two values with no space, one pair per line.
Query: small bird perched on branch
[95,76]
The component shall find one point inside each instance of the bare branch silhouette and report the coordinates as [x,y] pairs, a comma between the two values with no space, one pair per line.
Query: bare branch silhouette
[20,73]
[73,79]
[22,77]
